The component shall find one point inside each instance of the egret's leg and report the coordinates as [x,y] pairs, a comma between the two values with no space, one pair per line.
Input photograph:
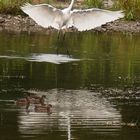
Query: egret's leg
[58,34]
[64,34]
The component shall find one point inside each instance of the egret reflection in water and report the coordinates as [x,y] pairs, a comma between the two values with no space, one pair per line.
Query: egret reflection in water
[51,58]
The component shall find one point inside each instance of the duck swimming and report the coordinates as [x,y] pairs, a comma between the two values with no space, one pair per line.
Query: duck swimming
[37,100]
[43,108]
[32,100]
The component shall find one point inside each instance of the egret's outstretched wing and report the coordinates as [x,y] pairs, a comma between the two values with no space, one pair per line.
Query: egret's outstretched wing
[92,18]
[43,14]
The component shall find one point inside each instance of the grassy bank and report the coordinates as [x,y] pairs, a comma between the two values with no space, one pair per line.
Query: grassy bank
[130,7]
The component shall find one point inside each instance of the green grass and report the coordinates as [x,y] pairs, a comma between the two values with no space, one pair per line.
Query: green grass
[130,7]
[11,6]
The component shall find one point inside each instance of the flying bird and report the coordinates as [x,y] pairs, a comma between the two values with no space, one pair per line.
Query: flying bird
[48,16]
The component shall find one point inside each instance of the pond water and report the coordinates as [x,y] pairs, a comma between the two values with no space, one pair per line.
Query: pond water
[75,73]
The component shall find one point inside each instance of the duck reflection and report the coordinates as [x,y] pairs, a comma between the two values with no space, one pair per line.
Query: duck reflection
[37,101]
[74,112]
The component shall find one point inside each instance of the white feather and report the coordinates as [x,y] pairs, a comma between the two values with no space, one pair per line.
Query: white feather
[43,14]
[92,18]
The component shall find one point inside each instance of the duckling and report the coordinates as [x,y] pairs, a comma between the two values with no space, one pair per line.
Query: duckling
[39,100]
[43,108]
[23,101]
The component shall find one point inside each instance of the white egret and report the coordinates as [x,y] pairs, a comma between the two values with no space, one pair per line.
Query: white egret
[49,16]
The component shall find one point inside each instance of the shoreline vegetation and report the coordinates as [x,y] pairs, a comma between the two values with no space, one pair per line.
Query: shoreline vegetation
[13,19]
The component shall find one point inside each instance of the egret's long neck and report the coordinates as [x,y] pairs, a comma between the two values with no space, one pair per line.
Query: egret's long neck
[71,4]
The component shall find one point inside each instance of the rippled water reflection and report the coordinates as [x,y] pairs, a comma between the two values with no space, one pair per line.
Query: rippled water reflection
[71,118]
[75,74]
